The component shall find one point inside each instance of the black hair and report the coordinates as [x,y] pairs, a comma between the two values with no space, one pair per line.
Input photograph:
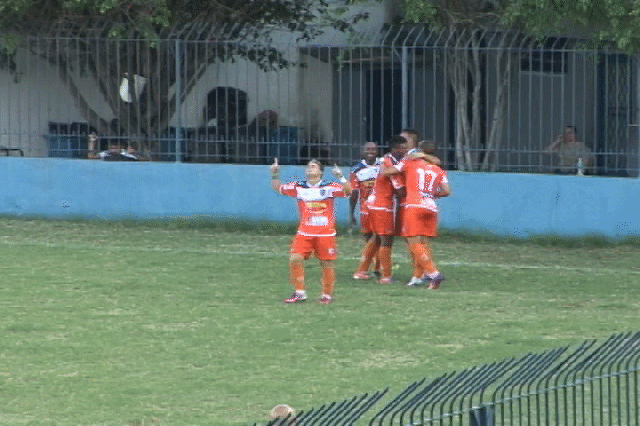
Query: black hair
[428,147]
[396,140]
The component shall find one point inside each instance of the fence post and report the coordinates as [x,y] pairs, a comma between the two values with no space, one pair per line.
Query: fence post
[482,416]
[178,113]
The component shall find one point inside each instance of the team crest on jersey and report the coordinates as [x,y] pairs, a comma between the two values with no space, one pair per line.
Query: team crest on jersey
[312,194]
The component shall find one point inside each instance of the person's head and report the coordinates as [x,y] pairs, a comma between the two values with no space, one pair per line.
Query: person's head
[411,136]
[369,152]
[314,171]
[428,147]
[570,134]
[398,146]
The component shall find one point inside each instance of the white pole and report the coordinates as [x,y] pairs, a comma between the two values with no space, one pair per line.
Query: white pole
[405,88]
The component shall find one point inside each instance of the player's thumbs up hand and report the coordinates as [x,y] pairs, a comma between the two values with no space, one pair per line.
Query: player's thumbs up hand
[275,168]
[337,173]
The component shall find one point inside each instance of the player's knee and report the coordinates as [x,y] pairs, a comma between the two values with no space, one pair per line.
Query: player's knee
[326,264]
[296,258]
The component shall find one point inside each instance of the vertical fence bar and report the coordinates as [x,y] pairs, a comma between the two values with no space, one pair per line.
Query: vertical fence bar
[405,86]
[178,92]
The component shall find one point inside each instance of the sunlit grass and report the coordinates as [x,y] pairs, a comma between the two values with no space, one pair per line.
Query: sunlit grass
[182,323]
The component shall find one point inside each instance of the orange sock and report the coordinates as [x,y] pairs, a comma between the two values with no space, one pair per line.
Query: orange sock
[296,275]
[328,278]
[369,251]
[418,271]
[427,249]
[385,261]
[422,257]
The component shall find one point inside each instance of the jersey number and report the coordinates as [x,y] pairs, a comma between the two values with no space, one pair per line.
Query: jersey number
[426,180]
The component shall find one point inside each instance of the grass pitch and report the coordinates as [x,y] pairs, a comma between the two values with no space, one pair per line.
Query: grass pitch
[182,323]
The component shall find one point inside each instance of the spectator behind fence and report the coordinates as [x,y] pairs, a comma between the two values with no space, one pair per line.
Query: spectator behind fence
[569,151]
[115,152]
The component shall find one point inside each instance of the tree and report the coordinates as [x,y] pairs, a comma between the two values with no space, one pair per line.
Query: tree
[62,31]
[615,22]
[466,23]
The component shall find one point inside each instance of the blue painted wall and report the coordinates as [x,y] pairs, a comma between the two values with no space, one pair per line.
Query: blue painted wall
[502,204]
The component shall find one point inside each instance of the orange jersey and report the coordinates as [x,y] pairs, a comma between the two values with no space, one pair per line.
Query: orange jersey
[382,196]
[422,180]
[315,206]
[363,177]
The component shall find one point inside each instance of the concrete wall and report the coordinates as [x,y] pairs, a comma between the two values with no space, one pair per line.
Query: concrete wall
[502,204]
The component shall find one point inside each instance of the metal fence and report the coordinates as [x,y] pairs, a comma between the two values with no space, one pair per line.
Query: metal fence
[592,384]
[491,100]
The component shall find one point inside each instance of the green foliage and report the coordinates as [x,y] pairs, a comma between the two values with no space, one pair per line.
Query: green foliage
[149,17]
[614,21]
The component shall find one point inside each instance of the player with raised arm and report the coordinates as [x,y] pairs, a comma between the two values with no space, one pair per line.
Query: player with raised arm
[382,203]
[316,230]
[362,177]
[423,182]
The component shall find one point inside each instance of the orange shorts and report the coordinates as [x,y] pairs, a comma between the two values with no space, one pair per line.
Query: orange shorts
[365,222]
[418,221]
[382,222]
[324,247]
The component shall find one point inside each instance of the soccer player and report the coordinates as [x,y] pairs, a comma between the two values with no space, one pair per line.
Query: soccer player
[413,153]
[419,220]
[316,231]
[381,205]
[362,177]
[412,138]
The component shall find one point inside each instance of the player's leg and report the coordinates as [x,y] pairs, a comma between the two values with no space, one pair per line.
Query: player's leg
[384,227]
[370,250]
[366,229]
[368,254]
[299,251]
[376,265]
[386,244]
[421,255]
[417,271]
[435,277]
[408,230]
[429,231]
[326,251]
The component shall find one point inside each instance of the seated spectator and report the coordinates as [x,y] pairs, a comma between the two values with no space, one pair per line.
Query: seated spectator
[569,150]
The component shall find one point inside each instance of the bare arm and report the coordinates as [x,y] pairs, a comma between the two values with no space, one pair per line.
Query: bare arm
[275,176]
[444,190]
[554,145]
[431,159]
[388,170]
[346,186]
[353,201]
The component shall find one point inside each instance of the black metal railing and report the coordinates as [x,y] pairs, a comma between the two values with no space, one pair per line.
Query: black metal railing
[593,384]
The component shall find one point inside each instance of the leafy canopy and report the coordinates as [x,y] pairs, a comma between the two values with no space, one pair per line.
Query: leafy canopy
[615,21]
[149,17]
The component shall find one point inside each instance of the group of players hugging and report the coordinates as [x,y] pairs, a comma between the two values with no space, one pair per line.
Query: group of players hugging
[396,194]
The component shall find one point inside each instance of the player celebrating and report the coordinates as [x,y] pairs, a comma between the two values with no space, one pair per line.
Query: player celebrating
[316,231]
[381,205]
[362,177]
[419,220]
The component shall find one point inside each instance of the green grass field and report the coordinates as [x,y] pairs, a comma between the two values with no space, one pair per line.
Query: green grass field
[182,323]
